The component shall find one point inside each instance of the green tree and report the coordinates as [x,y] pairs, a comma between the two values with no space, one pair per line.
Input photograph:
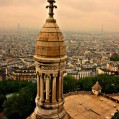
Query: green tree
[22,104]
[11,107]
[2,99]
[10,86]
[114,58]
[70,84]
[109,83]
[116,115]
[27,99]
[86,83]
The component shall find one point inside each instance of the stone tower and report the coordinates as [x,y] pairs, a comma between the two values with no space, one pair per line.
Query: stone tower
[96,89]
[50,57]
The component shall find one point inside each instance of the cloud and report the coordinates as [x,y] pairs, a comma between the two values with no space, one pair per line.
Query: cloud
[74,15]
[91,5]
[20,3]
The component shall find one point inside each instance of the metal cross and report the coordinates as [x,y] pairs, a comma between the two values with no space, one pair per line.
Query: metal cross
[51,7]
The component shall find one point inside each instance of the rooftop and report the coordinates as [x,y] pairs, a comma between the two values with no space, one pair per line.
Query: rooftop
[97,86]
[91,106]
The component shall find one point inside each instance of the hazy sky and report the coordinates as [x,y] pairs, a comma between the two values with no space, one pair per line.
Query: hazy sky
[77,15]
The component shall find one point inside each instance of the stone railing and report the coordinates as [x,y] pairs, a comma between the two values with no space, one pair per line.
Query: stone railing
[76,93]
[110,96]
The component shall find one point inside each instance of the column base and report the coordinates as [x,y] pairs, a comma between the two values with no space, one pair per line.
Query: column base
[47,101]
[37,99]
[48,115]
[54,102]
[60,100]
[41,100]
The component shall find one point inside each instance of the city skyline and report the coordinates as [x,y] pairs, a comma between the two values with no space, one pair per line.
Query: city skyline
[81,15]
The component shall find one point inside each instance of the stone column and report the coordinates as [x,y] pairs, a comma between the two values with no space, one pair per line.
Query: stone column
[60,86]
[41,89]
[38,86]
[47,88]
[54,89]
[62,82]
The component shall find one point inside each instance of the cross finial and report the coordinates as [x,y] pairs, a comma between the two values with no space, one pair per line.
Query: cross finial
[51,7]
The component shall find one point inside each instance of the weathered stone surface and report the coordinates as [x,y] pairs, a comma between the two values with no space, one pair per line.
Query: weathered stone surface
[50,57]
[50,42]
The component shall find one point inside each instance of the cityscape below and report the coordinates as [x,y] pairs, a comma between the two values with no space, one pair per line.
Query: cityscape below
[50,74]
[88,53]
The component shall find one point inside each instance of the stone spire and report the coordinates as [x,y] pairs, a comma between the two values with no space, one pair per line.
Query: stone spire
[50,57]
[96,89]
[97,86]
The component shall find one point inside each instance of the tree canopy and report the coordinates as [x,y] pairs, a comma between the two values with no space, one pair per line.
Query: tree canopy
[2,99]
[114,57]
[109,83]
[10,86]
[21,104]
[116,115]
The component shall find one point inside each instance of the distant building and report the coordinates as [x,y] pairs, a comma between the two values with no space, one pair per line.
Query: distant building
[24,73]
[111,68]
[81,74]
[103,71]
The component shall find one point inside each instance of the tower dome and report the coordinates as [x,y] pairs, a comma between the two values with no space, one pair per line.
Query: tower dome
[50,42]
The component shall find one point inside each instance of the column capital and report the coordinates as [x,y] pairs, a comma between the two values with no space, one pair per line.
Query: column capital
[60,73]
[55,75]
[47,75]
[38,73]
